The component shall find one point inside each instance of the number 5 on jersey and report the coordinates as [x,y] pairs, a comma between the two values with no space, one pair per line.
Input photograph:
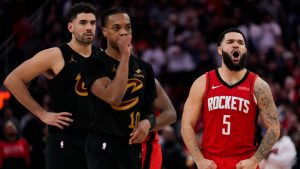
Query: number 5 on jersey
[226,123]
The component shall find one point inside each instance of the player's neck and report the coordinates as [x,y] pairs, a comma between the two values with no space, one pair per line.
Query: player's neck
[113,53]
[84,50]
[231,77]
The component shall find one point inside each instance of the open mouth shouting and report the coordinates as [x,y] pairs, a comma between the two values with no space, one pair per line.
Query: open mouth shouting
[236,55]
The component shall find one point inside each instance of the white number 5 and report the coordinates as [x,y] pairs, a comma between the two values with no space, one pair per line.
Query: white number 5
[226,130]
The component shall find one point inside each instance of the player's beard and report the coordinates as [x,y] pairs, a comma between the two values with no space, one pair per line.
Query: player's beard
[232,66]
[88,40]
[85,39]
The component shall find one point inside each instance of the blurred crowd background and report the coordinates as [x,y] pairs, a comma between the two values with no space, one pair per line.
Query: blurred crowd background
[178,37]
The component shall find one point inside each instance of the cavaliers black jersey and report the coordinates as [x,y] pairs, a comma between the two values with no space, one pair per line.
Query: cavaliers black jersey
[68,92]
[137,102]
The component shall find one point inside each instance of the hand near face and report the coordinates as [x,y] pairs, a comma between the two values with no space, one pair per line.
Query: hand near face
[124,44]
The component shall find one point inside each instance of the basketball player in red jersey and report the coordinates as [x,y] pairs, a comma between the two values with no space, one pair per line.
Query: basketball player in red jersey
[151,149]
[229,100]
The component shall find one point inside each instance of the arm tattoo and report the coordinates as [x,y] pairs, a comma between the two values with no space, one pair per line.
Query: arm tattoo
[266,145]
[265,103]
[269,115]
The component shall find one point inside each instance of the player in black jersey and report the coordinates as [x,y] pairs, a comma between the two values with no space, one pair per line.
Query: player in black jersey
[69,117]
[122,91]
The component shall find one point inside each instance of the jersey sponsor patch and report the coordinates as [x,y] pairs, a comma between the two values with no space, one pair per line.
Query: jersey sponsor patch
[243,88]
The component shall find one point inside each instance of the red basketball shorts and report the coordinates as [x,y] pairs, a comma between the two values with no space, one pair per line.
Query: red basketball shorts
[151,155]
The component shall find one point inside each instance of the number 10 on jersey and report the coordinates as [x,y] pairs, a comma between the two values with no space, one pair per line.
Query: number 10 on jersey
[134,119]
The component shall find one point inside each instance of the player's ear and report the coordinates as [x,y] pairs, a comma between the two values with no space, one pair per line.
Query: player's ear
[104,31]
[70,27]
[219,50]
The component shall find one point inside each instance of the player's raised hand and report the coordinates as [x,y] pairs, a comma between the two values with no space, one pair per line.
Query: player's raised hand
[124,44]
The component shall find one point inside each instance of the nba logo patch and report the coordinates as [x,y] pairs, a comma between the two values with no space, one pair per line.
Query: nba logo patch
[103,146]
[62,144]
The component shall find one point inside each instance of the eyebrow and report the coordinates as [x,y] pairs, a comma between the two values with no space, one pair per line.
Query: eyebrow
[93,20]
[117,24]
[230,40]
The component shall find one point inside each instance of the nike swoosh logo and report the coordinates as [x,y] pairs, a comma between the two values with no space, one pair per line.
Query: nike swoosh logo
[214,87]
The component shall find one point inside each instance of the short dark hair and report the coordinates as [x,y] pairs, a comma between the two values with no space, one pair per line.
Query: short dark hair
[221,37]
[82,7]
[111,11]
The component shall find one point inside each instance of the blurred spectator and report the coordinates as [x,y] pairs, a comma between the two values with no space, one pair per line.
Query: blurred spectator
[156,57]
[23,29]
[270,32]
[274,7]
[36,134]
[173,28]
[180,67]
[8,115]
[290,89]
[14,150]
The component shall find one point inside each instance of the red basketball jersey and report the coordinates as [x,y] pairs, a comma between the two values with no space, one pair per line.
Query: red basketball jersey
[229,116]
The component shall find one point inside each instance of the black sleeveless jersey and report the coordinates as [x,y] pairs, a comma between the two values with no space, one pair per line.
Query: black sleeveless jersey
[69,94]
[137,103]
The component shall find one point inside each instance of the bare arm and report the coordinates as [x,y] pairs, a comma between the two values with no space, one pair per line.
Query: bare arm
[164,105]
[112,91]
[191,113]
[49,60]
[269,115]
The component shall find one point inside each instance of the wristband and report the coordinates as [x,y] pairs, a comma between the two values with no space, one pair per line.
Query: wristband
[152,120]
